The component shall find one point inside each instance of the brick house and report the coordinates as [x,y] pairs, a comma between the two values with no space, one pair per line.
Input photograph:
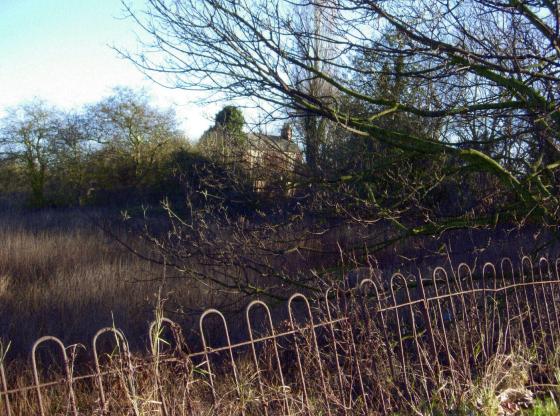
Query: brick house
[272,160]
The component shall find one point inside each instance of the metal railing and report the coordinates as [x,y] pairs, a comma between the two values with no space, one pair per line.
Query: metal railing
[384,344]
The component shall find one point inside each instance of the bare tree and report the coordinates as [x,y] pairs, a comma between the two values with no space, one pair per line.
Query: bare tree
[446,113]
[480,60]
[28,134]
[314,22]
[126,124]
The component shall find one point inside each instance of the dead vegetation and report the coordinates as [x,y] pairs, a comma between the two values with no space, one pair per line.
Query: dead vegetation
[462,341]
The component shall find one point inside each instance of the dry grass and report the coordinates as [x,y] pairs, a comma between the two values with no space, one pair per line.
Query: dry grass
[184,388]
[60,275]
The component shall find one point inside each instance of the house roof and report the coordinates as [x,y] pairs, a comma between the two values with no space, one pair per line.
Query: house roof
[268,142]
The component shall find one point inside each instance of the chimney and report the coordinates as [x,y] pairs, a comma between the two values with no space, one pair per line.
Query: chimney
[286,132]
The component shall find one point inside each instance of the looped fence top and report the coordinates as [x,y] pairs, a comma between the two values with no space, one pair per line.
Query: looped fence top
[441,329]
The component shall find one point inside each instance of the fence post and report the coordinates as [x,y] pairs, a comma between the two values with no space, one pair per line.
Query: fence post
[119,338]
[515,283]
[381,311]
[67,370]
[154,337]
[230,349]
[426,314]
[397,306]
[528,261]
[315,346]
[4,393]
[335,349]
[467,343]
[276,354]
[546,285]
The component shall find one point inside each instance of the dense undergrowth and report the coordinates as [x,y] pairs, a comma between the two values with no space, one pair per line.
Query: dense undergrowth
[170,383]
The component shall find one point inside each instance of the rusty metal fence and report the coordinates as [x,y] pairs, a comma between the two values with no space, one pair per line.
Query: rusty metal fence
[385,345]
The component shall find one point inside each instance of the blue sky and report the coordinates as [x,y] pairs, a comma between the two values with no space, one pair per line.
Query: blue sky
[58,50]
